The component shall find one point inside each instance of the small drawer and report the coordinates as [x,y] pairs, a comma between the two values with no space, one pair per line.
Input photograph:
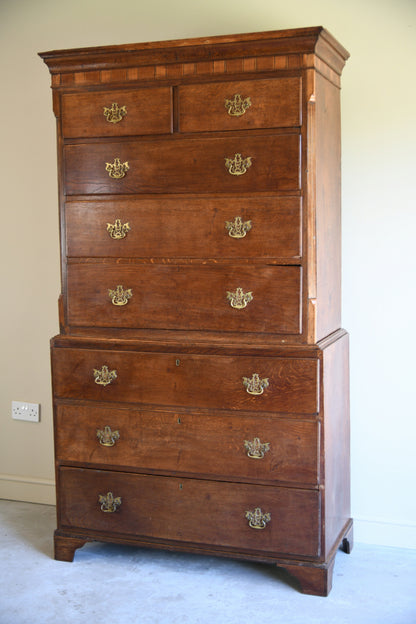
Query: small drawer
[256,448]
[246,104]
[237,164]
[244,227]
[117,113]
[190,297]
[236,383]
[235,515]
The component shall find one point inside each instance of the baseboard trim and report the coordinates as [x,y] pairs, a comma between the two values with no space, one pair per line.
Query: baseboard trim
[379,533]
[27,489]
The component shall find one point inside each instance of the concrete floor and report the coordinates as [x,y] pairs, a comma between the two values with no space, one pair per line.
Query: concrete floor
[124,585]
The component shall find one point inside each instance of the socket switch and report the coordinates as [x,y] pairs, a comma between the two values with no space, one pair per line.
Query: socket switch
[25,411]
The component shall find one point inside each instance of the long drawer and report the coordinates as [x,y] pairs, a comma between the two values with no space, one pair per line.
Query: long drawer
[117,113]
[229,165]
[257,448]
[243,227]
[190,297]
[188,380]
[244,104]
[190,510]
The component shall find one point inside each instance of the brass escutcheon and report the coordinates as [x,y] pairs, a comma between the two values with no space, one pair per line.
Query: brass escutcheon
[239,299]
[256,449]
[238,165]
[120,296]
[117,169]
[237,105]
[237,228]
[257,519]
[109,503]
[104,376]
[255,385]
[117,230]
[107,437]
[114,113]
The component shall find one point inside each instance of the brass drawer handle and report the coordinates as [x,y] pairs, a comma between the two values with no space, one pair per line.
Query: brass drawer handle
[106,437]
[117,230]
[239,299]
[114,113]
[238,165]
[257,519]
[109,503]
[237,228]
[104,376]
[117,169]
[120,296]
[256,449]
[237,105]
[255,385]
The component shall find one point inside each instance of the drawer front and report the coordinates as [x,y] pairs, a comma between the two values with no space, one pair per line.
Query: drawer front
[198,228]
[188,380]
[255,448]
[189,297]
[240,105]
[117,113]
[265,163]
[189,510]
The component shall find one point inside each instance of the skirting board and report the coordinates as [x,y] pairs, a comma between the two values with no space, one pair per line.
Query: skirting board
[366,531]
[27,489]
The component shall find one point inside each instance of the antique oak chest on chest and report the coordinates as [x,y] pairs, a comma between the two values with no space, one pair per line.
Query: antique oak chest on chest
[200,377]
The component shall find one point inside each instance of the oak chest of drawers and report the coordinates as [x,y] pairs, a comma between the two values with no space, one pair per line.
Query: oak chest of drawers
[200,378]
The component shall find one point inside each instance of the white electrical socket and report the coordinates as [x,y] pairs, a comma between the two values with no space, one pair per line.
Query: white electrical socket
[25,411]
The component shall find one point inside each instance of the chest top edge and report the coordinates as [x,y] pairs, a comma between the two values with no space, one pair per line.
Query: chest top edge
[314,40]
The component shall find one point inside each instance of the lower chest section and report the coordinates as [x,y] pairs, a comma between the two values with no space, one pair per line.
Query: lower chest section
[216,450]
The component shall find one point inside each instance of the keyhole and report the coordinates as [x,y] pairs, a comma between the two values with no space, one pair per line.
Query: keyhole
[177,362]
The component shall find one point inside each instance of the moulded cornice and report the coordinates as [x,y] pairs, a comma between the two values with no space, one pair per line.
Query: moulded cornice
[315,40]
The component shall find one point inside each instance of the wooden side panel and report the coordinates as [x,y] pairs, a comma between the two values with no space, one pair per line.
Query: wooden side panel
[336,436]
[328,208]
[309,176]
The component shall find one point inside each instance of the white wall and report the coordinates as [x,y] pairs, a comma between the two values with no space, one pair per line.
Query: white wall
[379,223]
